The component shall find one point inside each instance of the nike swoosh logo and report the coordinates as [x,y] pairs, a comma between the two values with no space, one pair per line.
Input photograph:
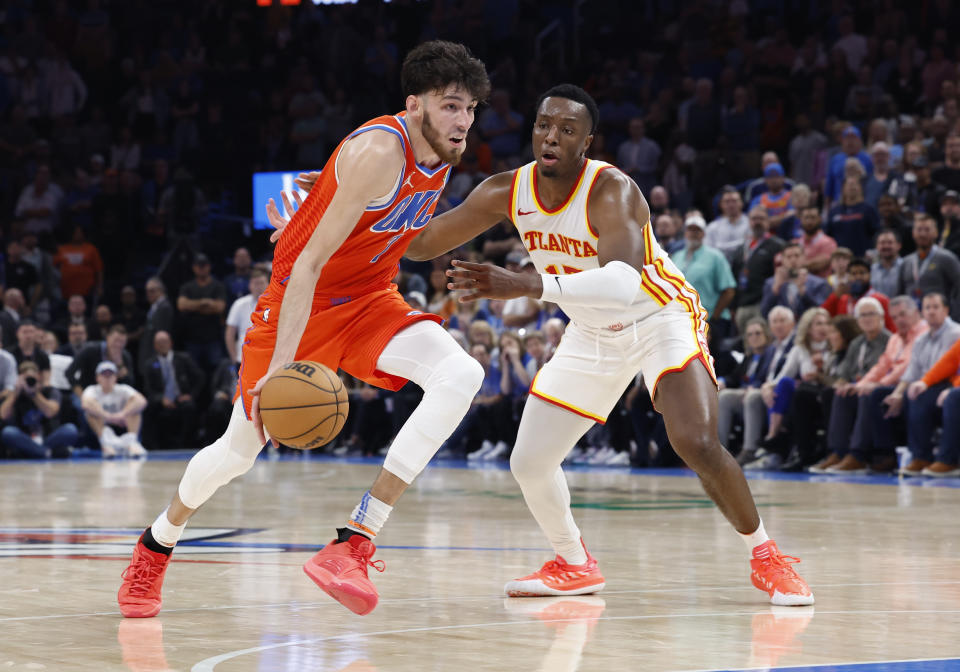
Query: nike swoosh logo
[559,286]
[522,213]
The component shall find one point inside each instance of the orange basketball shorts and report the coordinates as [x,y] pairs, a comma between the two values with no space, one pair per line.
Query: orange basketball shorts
[347,333]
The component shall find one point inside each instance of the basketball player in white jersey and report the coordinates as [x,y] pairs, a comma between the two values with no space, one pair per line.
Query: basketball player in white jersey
[587,228]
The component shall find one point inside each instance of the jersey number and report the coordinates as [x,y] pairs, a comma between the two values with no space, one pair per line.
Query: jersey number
[567,270]
[384,250]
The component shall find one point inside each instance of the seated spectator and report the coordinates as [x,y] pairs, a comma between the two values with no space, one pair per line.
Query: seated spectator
[514,383]
[639,156]
[843,299]
[885,271]
[754,410]
[875,450]
[76,340]
[480,332]
[172,383]
[441,300]
[82,371]
[30,413]
[98,326]
[850,408]
[202,304]
[728,232]
[535,345]
[931,268]
[708,271]
[754,265]
[222,387]
[76,314]
[668,233]
[817,246]
[523,312]
[11,315]
[950,217]
[945,376]
[659,200]
[484,422]
[852,223]
[553,329]
[800,197]
[760,185]
[28,349]
[109,407]
[890,217]
[750,373]
[776,200]
[839,262]
[948,175]
[806,362]
[813,397]
[238,319]
[792,286]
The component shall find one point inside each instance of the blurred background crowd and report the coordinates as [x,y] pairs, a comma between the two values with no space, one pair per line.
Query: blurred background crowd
[801,161]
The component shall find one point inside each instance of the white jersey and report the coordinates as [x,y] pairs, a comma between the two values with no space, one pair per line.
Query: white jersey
[112,402]
[562,241]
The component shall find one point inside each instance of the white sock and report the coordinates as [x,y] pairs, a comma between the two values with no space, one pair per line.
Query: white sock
[369,516]
[573,554]
[754,539]
[165,532]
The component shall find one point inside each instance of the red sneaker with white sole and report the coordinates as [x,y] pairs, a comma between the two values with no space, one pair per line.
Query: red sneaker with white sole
[557,577]
[773,573]
[139,594]
[340,569]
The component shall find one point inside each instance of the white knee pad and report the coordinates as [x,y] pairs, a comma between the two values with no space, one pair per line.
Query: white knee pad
[232,455]
[448,390]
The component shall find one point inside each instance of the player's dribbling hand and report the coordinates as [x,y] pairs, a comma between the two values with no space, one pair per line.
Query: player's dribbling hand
[486,281]
[255,407]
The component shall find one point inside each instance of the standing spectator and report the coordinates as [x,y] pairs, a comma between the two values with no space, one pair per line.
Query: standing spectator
[950,216]
[885,271]
[98,325]
[21,274]
[125,153]
[817,246]
[28,349]
[159,318]
[131,316]
[852,44]
[30,413]
[758,186]
[948,175]
[792,286]
[668,233]
[222,386]
[890,217]
[741,122]
[82,371]
[501,126]
[852,223]
[172,383]
[42,262]
[878,184]
[11,315]
[702,122]
[844,298]
[639,156]
[202,303]
[80,266]
[109,406]
[68,93]
[728,232]
[851,145]
[935,72]
[237,283]
[804,149]
[776,200]
[923,194]
[39,203]
[754,266]
[931,268]
[238,320]
[659,202]
[708,271]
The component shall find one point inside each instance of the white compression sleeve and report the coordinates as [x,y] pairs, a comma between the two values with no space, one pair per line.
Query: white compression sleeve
[614,285]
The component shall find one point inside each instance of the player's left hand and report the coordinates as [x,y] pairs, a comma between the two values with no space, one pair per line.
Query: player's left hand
[255,407]
[486,281]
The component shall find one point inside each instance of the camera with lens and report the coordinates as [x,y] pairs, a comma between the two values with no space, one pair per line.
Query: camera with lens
[30,381]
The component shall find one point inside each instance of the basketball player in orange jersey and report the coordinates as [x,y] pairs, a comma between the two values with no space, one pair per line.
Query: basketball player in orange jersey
[587,228]
[331,300]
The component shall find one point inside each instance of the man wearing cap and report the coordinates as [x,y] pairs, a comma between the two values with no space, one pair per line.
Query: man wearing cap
[776,200]
[707,270]
[753,188]
[202,303]
[110,406]
[852,223]
[950,216]
[30,413]
[851,144]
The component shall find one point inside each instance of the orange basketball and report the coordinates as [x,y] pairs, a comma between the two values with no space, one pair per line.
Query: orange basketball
[303,405]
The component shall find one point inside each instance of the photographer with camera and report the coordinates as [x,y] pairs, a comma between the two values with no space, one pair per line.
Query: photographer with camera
[30,411]
[793,286]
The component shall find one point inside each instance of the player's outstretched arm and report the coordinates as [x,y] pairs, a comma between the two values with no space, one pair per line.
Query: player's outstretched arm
[486,205]
[367,168]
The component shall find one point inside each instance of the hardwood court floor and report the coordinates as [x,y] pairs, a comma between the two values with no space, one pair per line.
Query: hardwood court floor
[881,556]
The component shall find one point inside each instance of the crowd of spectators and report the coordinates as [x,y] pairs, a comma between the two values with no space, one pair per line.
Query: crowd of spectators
[801,163]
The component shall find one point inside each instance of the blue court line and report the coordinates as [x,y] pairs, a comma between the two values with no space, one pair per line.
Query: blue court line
[503,465]
[937,665]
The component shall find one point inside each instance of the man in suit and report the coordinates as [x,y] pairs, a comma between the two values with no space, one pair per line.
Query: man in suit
[754,264]
[10,315]
[172,382]
[159,318]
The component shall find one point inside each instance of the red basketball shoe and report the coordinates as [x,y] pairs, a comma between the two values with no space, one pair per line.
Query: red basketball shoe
[139,595]
[773,574]
[340,569]
[556,577]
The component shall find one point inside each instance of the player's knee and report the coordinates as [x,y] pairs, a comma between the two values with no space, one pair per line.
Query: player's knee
[471,375]
[695,443]
[522,466]
[459,373]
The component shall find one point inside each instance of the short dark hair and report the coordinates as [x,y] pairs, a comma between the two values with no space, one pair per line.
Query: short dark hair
[939,295]
[892,232]
[577,95]
[117,329]
[259,272]
[858,261]
[434,65]
[791,244]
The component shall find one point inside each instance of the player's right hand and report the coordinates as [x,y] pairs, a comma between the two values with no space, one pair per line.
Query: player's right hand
[306,180]
[255,407]
[278,221]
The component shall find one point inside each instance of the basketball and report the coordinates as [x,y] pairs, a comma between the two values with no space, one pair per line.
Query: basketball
[303,405]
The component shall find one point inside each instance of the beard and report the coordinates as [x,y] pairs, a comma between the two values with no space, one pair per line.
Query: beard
[437,143]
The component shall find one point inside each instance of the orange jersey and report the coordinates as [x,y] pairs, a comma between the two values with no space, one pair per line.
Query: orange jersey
[369,258]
